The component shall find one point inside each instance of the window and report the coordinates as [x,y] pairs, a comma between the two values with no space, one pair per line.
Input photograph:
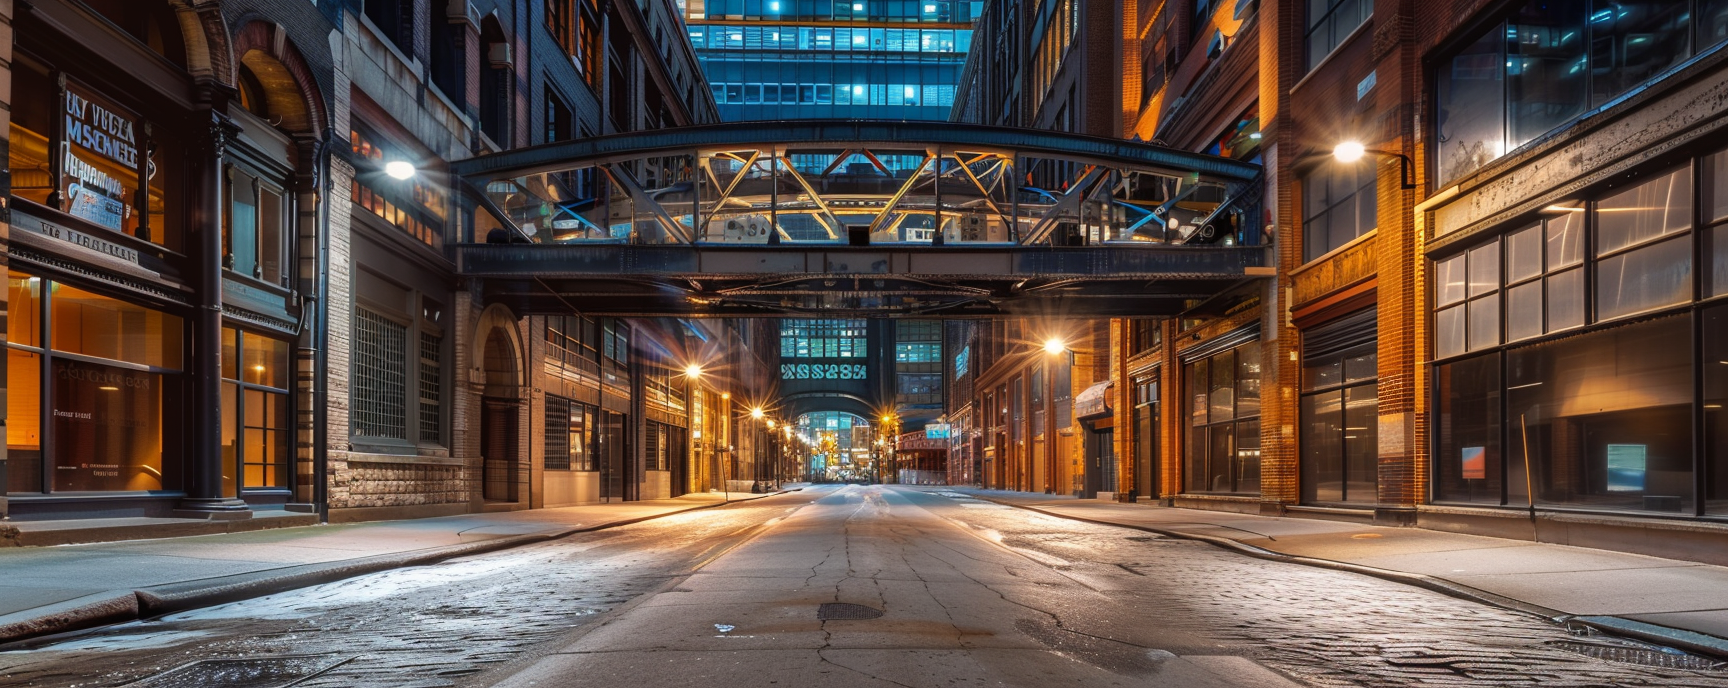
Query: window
[569,435]
[1145,334]
[109,397]
[1466,294]
[253,236]
[380,376]
[1224,423]
[918,341]
[1467,455]
[255,412]
[1606,416]
[388,16]
[561,23]
[823,339]
[560,123]
[919,388]
[1339,203]
[414,205]
[1544,277]
[1550,62]
[1330,22]
[1643,260]
[1716,213]
[1340,411]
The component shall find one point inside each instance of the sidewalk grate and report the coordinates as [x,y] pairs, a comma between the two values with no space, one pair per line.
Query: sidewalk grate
[844,611]
[272,672]
[1641,654]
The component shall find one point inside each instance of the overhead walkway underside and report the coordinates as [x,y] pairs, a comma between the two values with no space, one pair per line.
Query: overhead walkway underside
[873,218]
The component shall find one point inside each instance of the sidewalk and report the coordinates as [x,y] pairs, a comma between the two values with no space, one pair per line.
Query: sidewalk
[1678,603]
[53,589]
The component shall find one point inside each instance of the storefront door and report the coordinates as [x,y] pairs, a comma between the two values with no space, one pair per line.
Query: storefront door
[498,449]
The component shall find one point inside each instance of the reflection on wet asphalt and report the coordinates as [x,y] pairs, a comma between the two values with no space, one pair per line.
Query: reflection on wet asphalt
[1123,602]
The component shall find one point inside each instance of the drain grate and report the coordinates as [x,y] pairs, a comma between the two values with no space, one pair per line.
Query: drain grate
[1641,654]
[845,611]
[271,672]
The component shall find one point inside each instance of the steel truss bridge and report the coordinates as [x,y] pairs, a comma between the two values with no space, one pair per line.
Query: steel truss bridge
[859,218]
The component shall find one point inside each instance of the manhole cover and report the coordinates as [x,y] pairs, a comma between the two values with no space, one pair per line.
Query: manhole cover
[271,672]
[1641,654]
[844,611]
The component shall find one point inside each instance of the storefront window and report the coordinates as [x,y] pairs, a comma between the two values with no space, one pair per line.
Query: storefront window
[32,124]
[1715,374]
[1340,411]
[1223,434]
[1467,457]
[95,325]
[1606,417]
[23,421]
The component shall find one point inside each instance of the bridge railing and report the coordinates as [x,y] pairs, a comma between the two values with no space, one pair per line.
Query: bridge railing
[832,193]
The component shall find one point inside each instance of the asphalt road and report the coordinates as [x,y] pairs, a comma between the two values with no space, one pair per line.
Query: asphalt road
[955,591]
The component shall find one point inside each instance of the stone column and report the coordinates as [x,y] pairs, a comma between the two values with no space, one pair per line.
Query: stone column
[204,498]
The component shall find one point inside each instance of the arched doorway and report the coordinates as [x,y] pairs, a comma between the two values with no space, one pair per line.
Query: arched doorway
[500,420]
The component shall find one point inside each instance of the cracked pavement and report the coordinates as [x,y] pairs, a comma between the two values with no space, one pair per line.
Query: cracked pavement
[972,594]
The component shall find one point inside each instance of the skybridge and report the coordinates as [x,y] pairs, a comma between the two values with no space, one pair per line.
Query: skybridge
[873,218]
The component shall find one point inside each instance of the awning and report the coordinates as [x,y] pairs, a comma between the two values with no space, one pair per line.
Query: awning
[1093,401]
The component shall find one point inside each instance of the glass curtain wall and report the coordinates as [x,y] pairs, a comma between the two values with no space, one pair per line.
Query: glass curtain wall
[1548,63]
[801,59]
[1592,396]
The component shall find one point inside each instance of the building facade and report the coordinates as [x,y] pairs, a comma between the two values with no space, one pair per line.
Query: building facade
[797,59]
[1497,316]
[232,274]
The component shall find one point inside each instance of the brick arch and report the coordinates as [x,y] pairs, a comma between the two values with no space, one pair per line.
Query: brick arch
[209,56]
[290,89]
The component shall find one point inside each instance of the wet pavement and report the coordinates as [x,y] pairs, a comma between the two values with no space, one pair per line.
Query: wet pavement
[852,586]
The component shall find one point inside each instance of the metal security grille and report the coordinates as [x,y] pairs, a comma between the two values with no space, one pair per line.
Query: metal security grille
[558,431]
[431,372]
[380,376]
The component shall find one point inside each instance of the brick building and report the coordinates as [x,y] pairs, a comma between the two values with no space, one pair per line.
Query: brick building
[235,288]
[1501,305]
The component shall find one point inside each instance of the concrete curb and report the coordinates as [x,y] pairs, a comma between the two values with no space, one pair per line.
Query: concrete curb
[1691,641]
[128,605]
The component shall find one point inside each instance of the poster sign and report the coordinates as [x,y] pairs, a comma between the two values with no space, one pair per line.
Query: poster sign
[100,159]
[936,431]
[1475,464]
[1627,464]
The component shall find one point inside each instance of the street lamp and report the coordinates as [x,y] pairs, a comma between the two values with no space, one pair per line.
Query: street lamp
[1054,346]
[1350,151]
[399,169]
[757,414]
[693,371]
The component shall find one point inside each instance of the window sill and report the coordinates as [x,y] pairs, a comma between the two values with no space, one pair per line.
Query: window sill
[410,459]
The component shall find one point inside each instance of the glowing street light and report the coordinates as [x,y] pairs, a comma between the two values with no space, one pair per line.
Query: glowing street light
[1054,346]
[399,169]
[692,371]
[1349,151]
[757,414]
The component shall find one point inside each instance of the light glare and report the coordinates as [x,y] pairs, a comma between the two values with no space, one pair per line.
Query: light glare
[1349,151]
[399,169]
